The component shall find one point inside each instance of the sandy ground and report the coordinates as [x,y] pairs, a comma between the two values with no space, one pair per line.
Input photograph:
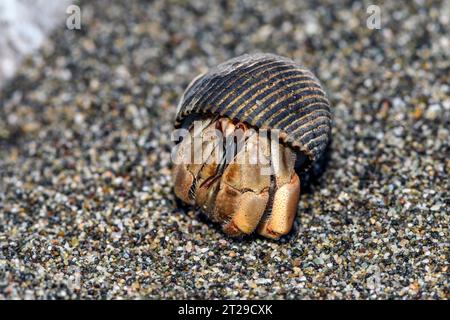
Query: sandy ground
[86,202]
[25,25]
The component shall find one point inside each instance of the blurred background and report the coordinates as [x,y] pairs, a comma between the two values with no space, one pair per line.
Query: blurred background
[86,110]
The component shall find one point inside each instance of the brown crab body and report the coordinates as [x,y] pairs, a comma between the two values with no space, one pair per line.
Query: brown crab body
[253,119]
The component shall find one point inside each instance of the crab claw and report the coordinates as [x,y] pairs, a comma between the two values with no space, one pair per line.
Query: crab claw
[244,191]
[239,210]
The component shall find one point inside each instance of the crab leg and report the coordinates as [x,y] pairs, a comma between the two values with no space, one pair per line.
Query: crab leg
[197,179]
[208,181]
[182,177]
[187,169]
[285,200]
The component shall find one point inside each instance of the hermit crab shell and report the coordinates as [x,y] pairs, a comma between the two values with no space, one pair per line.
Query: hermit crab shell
[265,91]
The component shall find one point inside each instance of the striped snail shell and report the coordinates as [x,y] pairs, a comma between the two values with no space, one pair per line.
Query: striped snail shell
[268,92]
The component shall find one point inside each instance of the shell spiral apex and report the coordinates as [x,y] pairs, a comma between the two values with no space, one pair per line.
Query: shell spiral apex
[267,92]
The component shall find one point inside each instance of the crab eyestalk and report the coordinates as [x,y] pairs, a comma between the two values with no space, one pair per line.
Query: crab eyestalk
[243,179]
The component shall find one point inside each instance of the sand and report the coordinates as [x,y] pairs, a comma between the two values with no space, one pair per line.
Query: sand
[86,202]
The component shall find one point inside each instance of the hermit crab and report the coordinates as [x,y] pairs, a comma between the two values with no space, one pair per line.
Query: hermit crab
[248,128]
